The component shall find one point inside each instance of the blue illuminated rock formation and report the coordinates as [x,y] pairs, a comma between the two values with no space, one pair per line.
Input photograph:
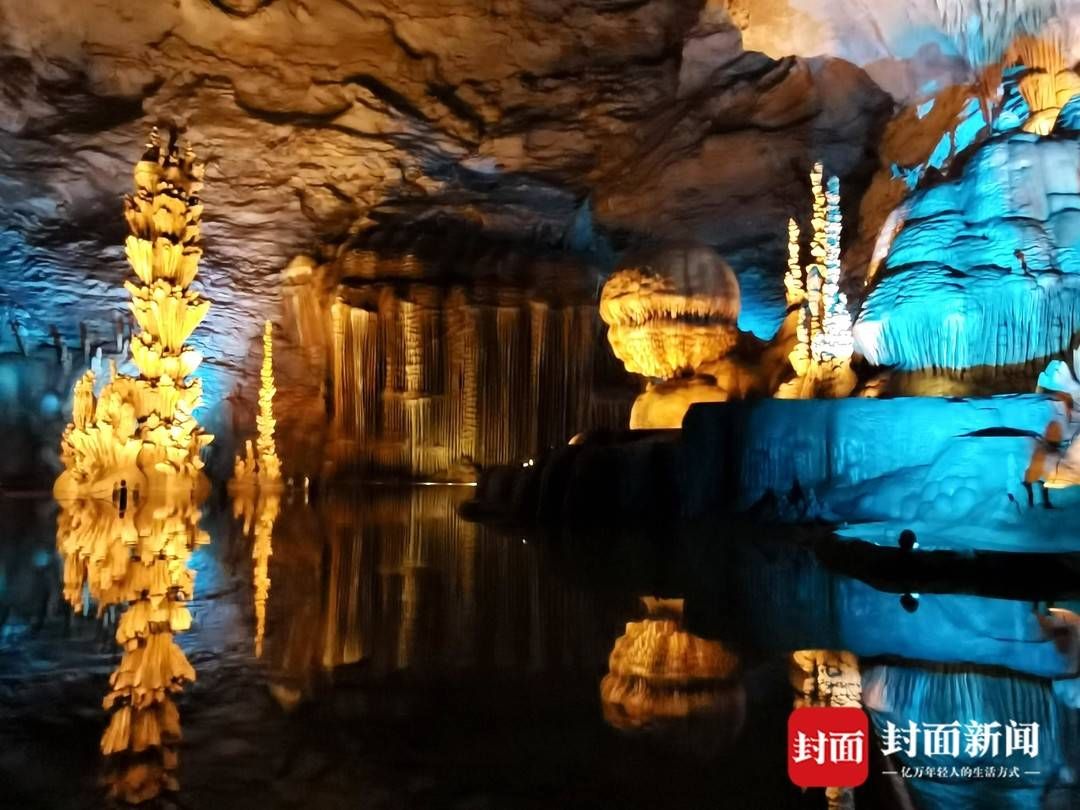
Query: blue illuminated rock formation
[986,269]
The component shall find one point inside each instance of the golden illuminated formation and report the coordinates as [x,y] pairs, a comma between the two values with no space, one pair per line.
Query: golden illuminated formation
[824,344]
[828,678]
[1049,82]
[663,679]
[259,511]
[261,465]
[795,290]
[133,477]
[669,316]
[140,435]
[136,557]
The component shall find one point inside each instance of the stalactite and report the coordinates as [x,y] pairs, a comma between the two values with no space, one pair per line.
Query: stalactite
[486,376]
[1050,81]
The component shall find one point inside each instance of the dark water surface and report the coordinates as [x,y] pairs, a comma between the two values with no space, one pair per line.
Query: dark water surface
[410,659]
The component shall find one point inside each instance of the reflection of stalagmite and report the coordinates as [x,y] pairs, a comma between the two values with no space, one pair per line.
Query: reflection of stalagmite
[664,680]
[258,509]
[143,431]
[129,517]
[136,558]
[828,678]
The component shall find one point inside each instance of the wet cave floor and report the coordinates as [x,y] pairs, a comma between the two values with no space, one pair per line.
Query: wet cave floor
[409,659]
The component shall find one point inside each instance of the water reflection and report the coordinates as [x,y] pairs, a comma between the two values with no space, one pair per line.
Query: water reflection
[667,682]
[132,565]
[406,654]
[405,583]
[257,509]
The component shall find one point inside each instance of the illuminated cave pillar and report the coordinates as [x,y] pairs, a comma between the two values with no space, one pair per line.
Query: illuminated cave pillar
[540,315]
[824,342]
[815,271]
[795,290]
[462,322]
[260,466]
[143,434]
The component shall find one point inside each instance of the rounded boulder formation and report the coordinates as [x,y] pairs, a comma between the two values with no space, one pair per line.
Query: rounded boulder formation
[671,311]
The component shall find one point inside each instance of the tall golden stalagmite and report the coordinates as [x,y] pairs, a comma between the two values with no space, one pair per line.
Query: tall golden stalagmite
[824,345]
[140,433]
[795,290]
[261,465]
[133,478]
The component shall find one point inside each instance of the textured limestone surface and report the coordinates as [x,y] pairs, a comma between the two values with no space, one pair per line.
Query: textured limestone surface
[581,127]
[541,119]
[985,270]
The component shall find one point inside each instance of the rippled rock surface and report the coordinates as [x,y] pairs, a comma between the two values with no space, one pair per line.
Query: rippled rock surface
[985,271]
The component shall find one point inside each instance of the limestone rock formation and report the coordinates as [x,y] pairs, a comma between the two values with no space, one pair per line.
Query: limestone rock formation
[671,313]
[434,373]
[984,271]
[560,123]
[140,432]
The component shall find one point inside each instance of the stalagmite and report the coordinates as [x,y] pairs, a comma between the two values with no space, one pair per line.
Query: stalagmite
[795,290]
[261,466]
[133,478]
[666,320]
[834,341]
[143,434]
[824,344]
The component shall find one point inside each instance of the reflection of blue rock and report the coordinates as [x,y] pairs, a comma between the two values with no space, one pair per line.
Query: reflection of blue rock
[930,695]
[986,270]
[779,598]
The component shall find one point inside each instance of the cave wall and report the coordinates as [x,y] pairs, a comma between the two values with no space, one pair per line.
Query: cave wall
[583,126]
[431,376]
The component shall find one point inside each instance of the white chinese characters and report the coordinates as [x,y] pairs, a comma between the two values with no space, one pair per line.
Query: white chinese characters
[975,739]
[833,747]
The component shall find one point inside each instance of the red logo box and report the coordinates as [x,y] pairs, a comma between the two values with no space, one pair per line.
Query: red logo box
[828,747]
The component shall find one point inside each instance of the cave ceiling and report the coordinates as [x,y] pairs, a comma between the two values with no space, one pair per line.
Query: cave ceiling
[568,123]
